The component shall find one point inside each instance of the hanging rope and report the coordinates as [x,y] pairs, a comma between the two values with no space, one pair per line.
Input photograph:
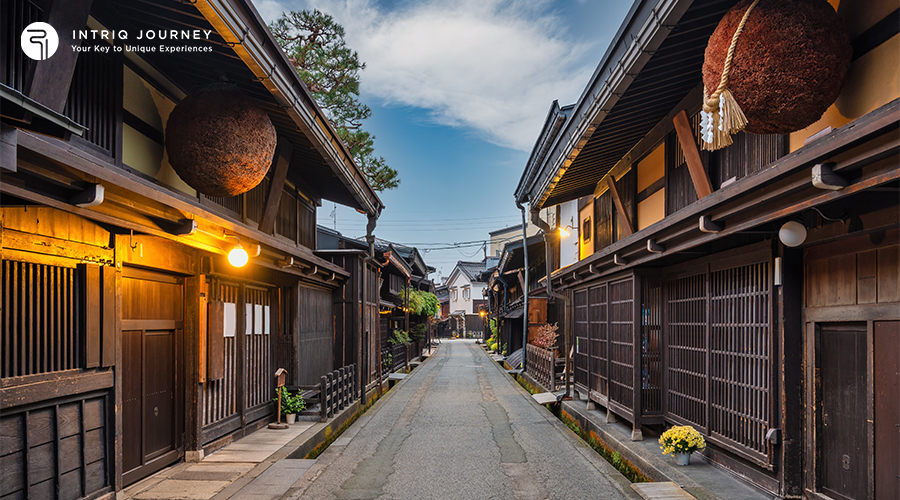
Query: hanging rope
[722,116]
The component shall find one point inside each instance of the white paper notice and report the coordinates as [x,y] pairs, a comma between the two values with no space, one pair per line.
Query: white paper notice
[230,319]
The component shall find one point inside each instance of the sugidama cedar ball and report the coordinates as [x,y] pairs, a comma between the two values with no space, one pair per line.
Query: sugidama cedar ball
[220,142]
[789,65]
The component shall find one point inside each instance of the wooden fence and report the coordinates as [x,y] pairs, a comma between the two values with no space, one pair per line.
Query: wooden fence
[541,365]
[336,391]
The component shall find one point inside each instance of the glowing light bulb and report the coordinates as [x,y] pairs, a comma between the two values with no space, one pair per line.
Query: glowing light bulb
[563,232]
[238,256]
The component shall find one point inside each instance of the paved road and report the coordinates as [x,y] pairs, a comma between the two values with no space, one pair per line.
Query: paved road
[459,427]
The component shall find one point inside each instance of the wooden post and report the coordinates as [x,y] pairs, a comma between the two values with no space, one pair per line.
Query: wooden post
[53,76]
[620,207]
[276,188]
[692,155]
[280,378]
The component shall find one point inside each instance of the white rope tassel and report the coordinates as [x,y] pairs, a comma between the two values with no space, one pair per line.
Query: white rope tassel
[722,116]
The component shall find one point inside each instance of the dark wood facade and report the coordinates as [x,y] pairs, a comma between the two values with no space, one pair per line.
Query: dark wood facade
[128,340]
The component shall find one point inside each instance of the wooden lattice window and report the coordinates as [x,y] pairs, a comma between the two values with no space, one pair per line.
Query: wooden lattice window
[599,338]
[739,363]
[257,348]
[686,348]
[621,342]
[41,319]
[718,352]
[581,339]
[220,395]
[651,345]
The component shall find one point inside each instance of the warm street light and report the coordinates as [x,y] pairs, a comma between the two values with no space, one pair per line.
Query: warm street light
[563,231]
[238,257]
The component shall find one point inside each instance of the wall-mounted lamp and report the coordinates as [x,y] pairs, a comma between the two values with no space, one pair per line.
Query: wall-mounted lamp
[564,231]
[238,257]
[792,233]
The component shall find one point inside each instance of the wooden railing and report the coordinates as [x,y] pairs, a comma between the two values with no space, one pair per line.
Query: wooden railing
[541,365]
[336,391]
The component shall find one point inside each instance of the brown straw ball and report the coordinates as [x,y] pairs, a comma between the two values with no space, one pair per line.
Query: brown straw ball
[220,142]
[790,63]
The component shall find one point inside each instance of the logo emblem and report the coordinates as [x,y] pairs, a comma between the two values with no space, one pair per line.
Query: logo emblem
[39,41]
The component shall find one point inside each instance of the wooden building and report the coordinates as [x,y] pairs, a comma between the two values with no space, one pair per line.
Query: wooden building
[688,305]
[129,342]
[506,287]
[393,269]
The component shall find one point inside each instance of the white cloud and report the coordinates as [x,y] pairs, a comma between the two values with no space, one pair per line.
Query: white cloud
[491,66]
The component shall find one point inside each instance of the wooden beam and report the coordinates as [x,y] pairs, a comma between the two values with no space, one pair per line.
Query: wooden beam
[8,143]
[692,155]
[276,188]
[628,229]
[53,76]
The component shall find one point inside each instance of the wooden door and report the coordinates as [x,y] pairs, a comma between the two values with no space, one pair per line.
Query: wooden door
[152,413]
[887,409]
[844,439]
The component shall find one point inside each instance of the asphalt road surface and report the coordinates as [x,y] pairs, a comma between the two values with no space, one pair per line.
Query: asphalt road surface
[459,427]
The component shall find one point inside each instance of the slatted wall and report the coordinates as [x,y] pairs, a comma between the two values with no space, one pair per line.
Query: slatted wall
[16,65]
[92,98]
[621,342]
[258,373]
[598,331]
[41,331]
[286,219]
[740,344]
[748,154]
[604,222]
[686,348]
[219,397]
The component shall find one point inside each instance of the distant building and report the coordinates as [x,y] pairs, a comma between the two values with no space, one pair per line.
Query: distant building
[501,237]
[466,288]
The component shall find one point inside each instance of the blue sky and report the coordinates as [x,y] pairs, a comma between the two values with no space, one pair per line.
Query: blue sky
[459,90]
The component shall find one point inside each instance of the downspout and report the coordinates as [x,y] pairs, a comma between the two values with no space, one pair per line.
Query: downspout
[525,291]
[370,239]
[550,293]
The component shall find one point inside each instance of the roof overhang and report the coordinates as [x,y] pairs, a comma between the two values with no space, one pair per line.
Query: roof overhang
[655,61]
[245,54]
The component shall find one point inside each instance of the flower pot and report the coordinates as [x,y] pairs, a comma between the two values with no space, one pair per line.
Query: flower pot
[683,458]
[292,417]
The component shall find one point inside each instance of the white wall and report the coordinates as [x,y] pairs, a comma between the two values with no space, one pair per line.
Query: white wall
[461,303]
[568,216]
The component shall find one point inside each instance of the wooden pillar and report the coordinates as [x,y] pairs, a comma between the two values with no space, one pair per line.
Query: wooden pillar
[637,384]
[789,335]
[195,363]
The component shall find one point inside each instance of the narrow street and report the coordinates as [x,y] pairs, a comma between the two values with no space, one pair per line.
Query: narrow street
[459,427]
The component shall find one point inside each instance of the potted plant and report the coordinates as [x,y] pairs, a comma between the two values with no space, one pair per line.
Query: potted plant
[681,441]
[291,405]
